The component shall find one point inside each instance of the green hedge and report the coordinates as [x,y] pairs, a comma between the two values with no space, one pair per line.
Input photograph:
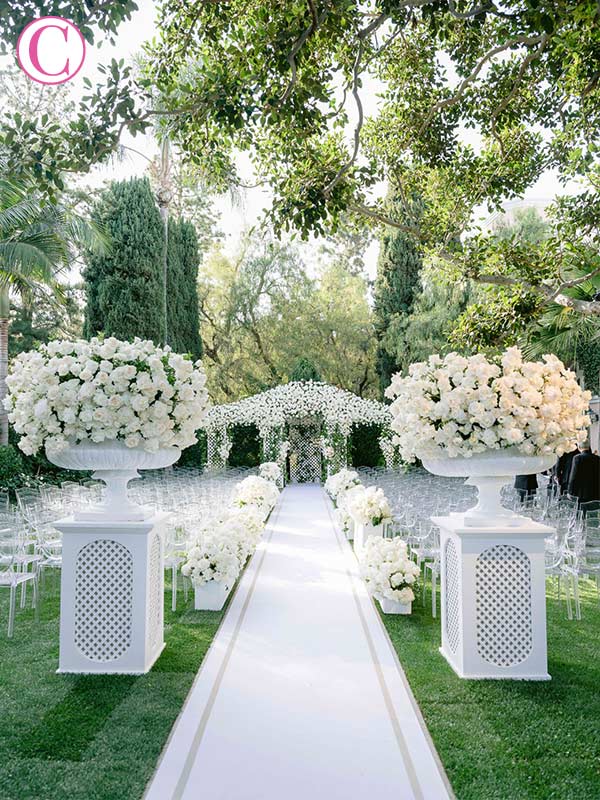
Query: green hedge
[588,358]
[18,471]
[194,456]
[245,446]
[363,447]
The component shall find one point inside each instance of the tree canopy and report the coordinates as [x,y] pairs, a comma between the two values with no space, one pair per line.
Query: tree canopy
[287,82]
[474,102]
[263,316]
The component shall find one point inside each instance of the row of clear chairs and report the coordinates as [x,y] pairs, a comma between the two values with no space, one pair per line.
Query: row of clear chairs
[572,552]
[30,544]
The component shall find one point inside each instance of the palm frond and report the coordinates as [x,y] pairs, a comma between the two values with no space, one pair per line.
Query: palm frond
[18,216]
[87,234]
[28,258]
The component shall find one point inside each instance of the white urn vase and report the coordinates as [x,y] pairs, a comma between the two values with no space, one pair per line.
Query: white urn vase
[489,472]
[115,464]
[210,596]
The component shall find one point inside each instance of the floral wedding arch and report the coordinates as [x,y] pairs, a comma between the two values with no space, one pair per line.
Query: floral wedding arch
[304,422]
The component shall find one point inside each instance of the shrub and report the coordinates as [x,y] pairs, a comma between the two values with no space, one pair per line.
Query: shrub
[13,472]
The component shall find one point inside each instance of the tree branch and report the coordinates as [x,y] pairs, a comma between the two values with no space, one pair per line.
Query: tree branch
[373,26]
[359,106]
[578,281]
[316,22]
[379,216]
[518,80]
[451,101]
[552,295]
[469,14]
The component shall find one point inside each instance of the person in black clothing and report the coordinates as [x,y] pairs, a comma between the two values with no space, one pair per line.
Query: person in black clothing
[562,470]
[526,485]
[584,479]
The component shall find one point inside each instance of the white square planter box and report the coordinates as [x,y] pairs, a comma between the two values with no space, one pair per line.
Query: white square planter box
[393,606]
[493,585]
[112,595]
[210,596]
[362,533]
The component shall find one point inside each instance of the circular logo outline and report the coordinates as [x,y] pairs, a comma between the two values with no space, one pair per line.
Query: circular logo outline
[72,26]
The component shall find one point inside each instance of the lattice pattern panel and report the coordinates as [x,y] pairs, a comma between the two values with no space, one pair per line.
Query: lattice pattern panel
[103,600]
[305,454]
[271,439]
[218,446]
[452,580]
[155,589]
[503,597]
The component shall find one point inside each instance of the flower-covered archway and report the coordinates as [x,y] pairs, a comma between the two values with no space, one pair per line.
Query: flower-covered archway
[304,424]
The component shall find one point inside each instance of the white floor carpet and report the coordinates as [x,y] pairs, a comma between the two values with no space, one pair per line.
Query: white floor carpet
[300,696]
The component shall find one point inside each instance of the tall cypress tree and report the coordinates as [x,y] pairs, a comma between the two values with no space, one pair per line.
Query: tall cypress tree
[124,287]
[182,288]
[396,288]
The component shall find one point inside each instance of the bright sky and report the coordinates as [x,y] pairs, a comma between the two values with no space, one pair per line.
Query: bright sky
[235,218]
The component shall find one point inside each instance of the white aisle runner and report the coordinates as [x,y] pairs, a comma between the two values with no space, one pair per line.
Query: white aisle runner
[300,696]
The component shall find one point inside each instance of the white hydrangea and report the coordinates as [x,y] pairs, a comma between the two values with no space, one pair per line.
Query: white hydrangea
[245,526]
[369,507]
[102,390]
[270,471]
[344,497]
[223,544]
[256,491]
[343,519]
[340,482]
[215,558]
[463,406]
[388,570]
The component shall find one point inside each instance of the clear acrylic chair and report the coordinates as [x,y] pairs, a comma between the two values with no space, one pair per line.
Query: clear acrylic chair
[12,575]
[175,547]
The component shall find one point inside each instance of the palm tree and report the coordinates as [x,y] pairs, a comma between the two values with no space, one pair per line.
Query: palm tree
[562,330]
[38,239]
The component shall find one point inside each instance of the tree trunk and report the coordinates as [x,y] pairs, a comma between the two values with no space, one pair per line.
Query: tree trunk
[164,212]
[4,320]
[164,197]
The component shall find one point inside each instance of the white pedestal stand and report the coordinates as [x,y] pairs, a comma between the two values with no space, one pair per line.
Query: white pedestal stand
[362,533]
[111,605]
[494,599]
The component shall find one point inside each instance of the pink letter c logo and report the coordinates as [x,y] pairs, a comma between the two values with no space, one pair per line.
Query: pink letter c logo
[34,55]
[51,50]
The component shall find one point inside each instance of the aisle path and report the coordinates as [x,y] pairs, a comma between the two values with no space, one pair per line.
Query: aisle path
[300,696]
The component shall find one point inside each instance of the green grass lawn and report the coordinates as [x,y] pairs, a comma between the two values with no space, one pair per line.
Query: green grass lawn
[512,740]
[67,737]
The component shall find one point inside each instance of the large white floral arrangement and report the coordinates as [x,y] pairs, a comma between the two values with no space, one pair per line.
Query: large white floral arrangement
[370,507]
[469,405]
[387,569]
[256,491]
[105,389]
[270,471]
[340,482]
